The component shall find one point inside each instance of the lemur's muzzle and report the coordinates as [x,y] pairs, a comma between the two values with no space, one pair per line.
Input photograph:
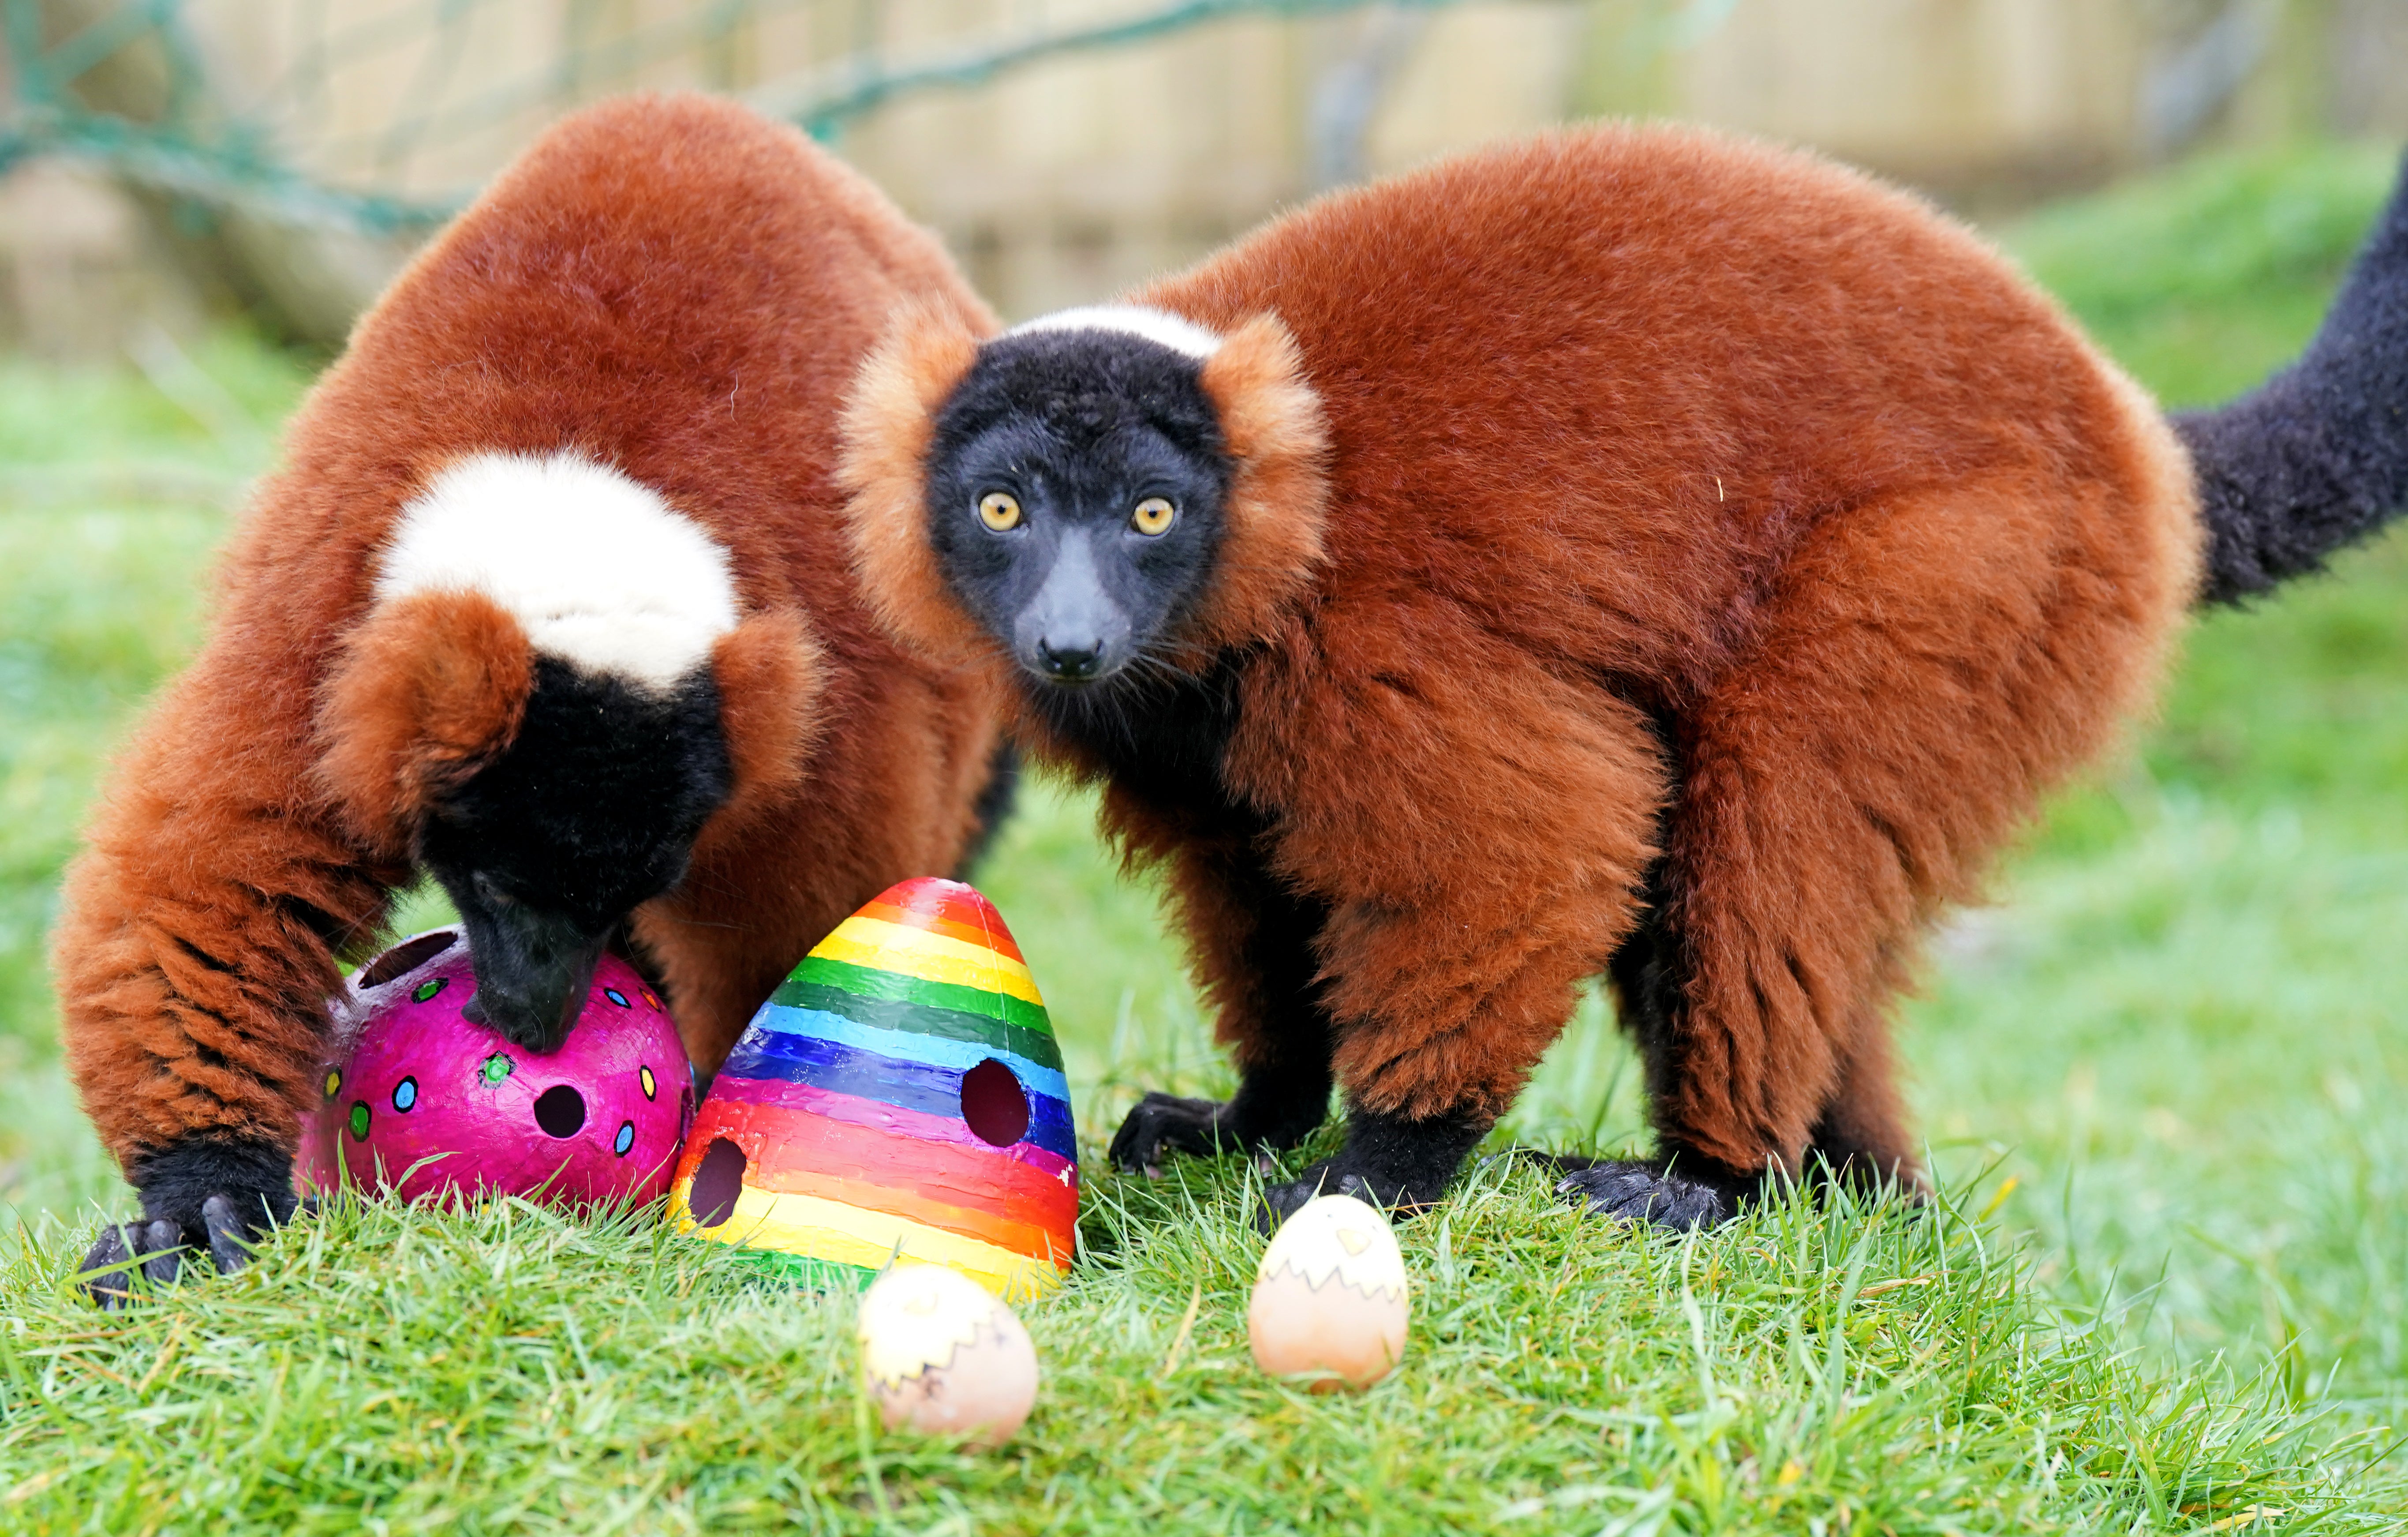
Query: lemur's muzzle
[1072,631]
[533,968]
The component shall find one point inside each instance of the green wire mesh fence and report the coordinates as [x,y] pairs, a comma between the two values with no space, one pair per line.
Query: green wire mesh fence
[381,117]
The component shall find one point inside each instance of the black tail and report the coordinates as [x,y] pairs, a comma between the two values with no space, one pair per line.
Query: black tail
[2316,456]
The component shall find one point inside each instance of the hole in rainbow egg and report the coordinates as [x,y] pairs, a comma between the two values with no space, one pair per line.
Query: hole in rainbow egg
[717,1183]
[405,957]
[993,1103]
[560,1110]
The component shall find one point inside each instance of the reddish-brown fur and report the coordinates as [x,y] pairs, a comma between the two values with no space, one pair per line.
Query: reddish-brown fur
[1642,430]
[428,689]
[888,421]
[678,289]
[1271,425]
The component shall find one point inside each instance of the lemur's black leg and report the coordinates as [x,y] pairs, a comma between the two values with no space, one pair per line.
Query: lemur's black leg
[1283,1066]
[1861,1141]
[993,807]
[1679,1188]
[209,1194]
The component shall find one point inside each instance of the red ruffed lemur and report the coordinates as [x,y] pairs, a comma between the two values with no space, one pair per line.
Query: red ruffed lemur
[1631,551]
[549,599]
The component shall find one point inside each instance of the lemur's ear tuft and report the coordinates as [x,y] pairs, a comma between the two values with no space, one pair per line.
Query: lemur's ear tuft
[1271,420]
[770,671]
[890,420]
[427,690]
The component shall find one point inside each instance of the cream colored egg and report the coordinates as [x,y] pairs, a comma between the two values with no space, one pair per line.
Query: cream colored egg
[1330,1298]
[943,1355]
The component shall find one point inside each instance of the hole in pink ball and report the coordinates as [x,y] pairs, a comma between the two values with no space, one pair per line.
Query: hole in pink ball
[994,1104]
[717,1183]
[560,1110]
[402,960]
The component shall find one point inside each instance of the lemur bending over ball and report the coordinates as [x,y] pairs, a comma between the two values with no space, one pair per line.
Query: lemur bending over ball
[550,599]
[1630,549]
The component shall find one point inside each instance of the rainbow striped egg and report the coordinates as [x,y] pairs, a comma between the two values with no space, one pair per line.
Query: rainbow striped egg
[900,1095]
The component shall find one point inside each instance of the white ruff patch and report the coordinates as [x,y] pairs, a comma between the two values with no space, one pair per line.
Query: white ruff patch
[1160,326]
[601,572]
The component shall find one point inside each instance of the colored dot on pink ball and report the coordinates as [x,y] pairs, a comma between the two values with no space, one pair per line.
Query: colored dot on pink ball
[420,1100]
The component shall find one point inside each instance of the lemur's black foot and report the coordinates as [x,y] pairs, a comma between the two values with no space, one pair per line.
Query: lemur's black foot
[1327,1178]
[164,1249]
[158,1246]
[1690,1194]
[1397,1164]
[209,1195]
[1164,1122]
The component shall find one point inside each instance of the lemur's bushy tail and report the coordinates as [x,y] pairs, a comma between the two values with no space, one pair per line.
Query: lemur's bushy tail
[2317,455]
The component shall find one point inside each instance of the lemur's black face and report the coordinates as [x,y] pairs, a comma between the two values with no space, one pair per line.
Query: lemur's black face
[592,810]
[1076,484]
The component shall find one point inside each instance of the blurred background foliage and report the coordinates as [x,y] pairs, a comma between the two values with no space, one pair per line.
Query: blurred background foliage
[2179,1031]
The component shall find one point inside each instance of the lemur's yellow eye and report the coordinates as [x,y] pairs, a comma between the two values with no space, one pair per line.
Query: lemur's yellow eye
[1153,515]
[999,511]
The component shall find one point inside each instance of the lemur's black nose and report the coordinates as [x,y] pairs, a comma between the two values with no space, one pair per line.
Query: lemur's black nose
[1071,661]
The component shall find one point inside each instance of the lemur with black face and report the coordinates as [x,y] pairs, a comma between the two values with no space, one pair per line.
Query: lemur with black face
[1632,550]
[550,601]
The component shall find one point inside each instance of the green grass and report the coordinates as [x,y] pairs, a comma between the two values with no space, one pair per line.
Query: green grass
[2178,1033]
[1805,1369]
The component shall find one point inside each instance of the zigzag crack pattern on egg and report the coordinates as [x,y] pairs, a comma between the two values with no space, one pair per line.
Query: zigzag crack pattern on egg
[1331,1302]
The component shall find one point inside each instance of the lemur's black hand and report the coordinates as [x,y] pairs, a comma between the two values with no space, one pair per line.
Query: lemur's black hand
[1164,1122]
[1686,1194]
[164,1249]
[207,1200]
[1270,1112]
[154,1249]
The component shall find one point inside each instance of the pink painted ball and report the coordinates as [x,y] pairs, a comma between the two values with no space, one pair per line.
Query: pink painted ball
[421,1102]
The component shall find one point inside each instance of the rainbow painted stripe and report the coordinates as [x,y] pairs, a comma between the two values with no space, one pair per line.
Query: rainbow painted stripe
[866,1098]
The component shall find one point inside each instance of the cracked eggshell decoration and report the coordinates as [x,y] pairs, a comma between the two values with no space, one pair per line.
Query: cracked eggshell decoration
[423,1101]
[900,1096]
[1331,1300]
[945,1357]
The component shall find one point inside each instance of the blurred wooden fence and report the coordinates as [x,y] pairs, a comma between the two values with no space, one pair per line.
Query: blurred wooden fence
[1063,177]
